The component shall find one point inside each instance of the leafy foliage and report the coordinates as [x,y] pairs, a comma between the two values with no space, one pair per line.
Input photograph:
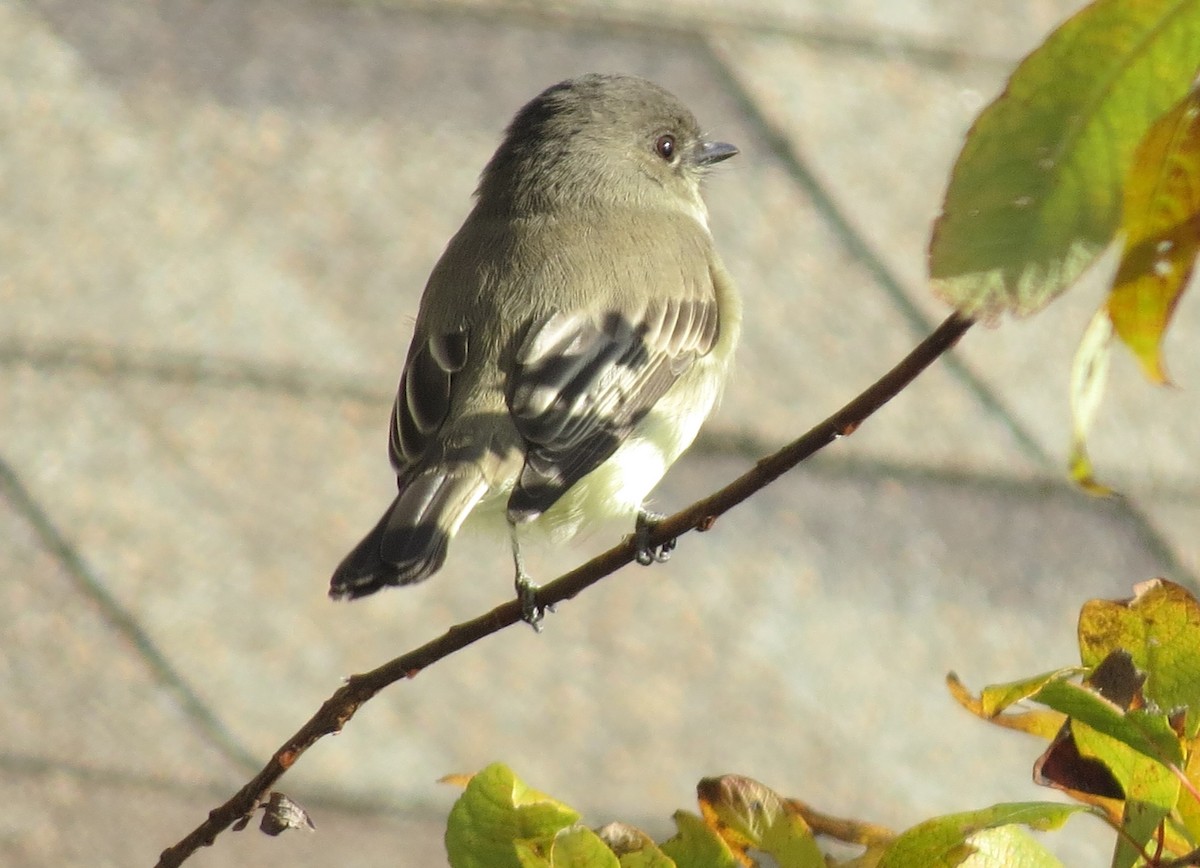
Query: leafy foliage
[1097,135]
[1037,189]
[1123,744]
[1126,740]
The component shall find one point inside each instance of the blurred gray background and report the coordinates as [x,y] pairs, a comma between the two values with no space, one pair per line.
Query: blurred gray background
[217,217]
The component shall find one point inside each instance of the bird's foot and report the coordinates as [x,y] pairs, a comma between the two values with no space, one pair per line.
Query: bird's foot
[532,611]
[646,553]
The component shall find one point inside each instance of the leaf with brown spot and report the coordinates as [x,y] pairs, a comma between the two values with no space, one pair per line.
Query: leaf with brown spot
[1063,767]
[1160,629]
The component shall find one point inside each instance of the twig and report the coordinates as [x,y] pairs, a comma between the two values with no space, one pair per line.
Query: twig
[343,704]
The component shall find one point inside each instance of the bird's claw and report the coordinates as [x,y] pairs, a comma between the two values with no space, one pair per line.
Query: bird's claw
[647,554]
[532,612]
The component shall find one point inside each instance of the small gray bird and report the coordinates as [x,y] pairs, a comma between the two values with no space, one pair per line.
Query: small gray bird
[571,340]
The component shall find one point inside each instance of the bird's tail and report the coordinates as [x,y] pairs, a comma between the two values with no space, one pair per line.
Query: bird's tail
[409,543]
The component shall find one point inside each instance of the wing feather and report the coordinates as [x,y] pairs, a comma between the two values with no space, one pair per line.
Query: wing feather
[423,398]
[583,381]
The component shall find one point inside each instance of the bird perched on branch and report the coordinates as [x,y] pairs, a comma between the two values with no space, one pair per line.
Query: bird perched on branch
[571,340]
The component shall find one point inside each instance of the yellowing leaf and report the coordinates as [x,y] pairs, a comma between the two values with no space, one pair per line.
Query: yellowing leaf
[1089,374]
[1161,222]
[995,698]
[1043,724]
[1160,628]
[1035,193]
[749,815]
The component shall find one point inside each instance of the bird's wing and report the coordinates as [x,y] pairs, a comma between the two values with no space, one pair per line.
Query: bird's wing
[423,398]
[582,380]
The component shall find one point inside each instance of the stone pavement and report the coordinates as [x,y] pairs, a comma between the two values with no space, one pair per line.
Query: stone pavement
[217,218]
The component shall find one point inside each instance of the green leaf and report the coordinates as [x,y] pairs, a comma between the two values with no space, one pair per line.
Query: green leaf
[496,810]
[633,847]
[1043,724]
[995,698]
[1036,191]
[648,857]
[1144,779]
[697,845]
[1160,628]
[1161,223]
[1140,824]
[576,847]
[980,838]
[1089,375]
[1148,734]
[1189,806]
[791,843]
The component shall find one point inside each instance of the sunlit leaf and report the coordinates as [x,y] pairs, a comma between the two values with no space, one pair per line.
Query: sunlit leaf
[494,811]
[649,857]
[1036,191]
[1084,778]
[749,816]
[574,847]
[1189,803]
[995,698]
[1147,733]
[1008,847]
[1041,723]
[1151,789]
[1064,766]
[1089,375]
[1142,778]
[959,839]
[1139,825]
[1161,223]
[1160,628]
[697,845]
[633,847]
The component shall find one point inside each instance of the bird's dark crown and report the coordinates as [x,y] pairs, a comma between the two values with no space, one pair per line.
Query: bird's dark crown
[592,139]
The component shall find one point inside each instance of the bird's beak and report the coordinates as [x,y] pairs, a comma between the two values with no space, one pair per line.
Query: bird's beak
[714,152]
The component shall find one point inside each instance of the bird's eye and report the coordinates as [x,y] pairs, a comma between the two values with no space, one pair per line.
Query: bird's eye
[664,146]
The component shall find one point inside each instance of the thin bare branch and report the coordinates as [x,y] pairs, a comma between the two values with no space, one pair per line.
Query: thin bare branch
[358,689]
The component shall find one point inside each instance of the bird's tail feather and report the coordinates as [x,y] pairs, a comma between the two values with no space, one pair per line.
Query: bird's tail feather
[409,543]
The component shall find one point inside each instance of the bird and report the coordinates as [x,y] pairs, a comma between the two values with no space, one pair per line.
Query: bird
[574,335]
